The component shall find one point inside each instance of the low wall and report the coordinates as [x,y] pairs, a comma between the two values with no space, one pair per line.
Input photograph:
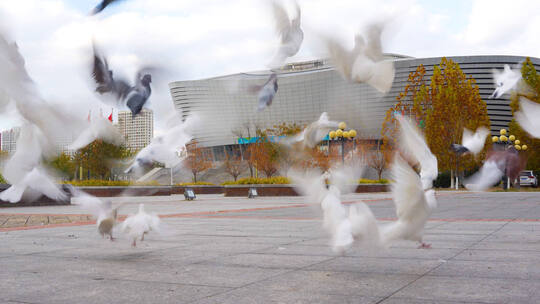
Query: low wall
[262,190]
[109,191]
[198,189]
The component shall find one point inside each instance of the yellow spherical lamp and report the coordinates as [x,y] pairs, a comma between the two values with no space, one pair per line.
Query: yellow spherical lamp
[346,134]
[517,142]
[502,131]
[495,139]
[339,133]
[524,147]
[332,134]
[503,138]
[352,133]
[511,138]
[518,147]
[342,125]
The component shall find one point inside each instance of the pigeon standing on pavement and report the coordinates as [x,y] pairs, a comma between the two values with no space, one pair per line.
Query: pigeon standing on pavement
[266,92]
[504,81]
[134,97]
[101,6]
[365,63]
[471,143]
[139,224]
[106,216]
[529,117]
[290,32]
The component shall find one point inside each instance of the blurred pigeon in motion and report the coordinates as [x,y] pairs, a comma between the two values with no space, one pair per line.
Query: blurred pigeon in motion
[414,145]
[101,6]
[314,132]
[98,127]
[266,92]
[139,224]
[413,205]
[25,172]
[529,117]
[102,210]
[290,32]
[134,97]
[164,148]
[365,63]
[471,143]
[497,164]
[504,81]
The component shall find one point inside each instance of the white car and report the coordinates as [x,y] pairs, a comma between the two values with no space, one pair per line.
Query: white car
[527,178]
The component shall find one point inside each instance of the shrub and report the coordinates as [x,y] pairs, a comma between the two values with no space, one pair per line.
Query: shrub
[373,181]
[2,180]
[276,180]
[196,184]
[108,183]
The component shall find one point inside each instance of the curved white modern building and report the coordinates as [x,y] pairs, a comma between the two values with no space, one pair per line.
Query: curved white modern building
[307,89]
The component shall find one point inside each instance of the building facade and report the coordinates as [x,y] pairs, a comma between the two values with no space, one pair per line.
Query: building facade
[307,89]
[9,140]
[137,131]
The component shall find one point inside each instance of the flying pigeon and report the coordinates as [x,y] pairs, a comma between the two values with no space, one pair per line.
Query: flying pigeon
[139,224]
[471,143]
[497,164]
[290,32]
[413,205]
[529,117]
[504,81]
[101,6]
[314,132]
[134,97]
[164,148]
[102,210]
[266,92]
[98,127]
[365,63]
[414,145]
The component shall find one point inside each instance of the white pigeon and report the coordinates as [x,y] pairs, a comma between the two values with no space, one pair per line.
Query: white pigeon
[528,117]
[504,81]
[290,32]
[36,180]
[414,145]
[472,143]
[489,174]
[98,127]
[164,149]
[365,63]
[137,225]
[102,210]
[413,205]
[314,132]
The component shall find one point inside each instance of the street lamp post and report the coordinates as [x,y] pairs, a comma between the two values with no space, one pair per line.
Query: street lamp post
[342,136]
[502,142]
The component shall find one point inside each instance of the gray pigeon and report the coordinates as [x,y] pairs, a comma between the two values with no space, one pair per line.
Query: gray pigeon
[101,6]
[133,96]
[266,92]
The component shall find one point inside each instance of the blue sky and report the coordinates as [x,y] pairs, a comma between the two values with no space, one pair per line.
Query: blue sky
[204,38]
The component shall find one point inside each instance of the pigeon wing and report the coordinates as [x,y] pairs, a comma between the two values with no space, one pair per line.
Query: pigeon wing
[529,117]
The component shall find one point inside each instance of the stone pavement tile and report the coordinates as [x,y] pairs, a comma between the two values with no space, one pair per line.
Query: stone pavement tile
[377,265]
[181,256]
[248,295]
[230,246]
[15,221]
[498,255]
[299,249]
[273,261]
[497,245]
[29,246]
[452,237]
[111,250]
[119,291]
[337,283]
[37,220]
[468,289]
[399,300]
[504,270]
[211,275]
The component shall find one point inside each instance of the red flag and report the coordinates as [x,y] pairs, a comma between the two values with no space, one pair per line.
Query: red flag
[110,116]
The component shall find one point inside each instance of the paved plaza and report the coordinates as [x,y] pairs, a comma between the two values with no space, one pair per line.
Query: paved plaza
[485,249]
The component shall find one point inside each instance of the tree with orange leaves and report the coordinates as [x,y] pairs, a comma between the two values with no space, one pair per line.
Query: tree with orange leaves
[196,161]
[234,165]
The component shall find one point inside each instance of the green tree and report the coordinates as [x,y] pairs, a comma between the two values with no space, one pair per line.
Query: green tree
[532,79]
[99,157]
[65,165]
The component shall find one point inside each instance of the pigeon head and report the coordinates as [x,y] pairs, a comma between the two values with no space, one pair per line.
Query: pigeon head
[147,79]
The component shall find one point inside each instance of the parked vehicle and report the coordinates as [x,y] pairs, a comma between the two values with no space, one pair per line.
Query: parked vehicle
[527,178]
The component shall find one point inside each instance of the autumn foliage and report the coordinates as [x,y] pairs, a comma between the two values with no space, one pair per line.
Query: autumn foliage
[196,161]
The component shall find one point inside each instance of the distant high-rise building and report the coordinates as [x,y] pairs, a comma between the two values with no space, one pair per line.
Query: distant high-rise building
[137,132]
[9,139]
